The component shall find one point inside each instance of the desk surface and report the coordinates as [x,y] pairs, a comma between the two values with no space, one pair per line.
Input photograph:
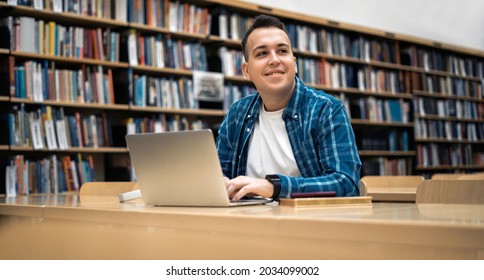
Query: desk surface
[102,228]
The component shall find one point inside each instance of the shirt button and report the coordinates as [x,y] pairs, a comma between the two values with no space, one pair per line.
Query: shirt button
[248,130]
[248,116]
[295,116]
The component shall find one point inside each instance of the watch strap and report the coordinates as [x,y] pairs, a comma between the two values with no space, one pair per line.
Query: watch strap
[276,182]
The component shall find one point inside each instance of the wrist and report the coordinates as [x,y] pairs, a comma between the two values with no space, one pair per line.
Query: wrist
[276,183]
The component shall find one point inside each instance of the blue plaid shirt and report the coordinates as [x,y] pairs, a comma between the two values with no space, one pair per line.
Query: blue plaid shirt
[321,138]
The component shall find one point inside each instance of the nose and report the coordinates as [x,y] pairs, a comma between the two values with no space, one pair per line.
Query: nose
[273,58]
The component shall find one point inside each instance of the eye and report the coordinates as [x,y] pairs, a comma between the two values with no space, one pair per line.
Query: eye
[283,51]
[260,54]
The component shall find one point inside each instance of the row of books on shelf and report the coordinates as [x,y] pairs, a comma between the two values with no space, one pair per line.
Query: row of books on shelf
[342,44]
[155,123]
[96,8]
[179,93]
[384,166]
[234,92]
[306,38]
[39,82]
[392,140]
[28,34]
[52,174]
[448,86]
[448,130]
[341,75]
[48,128]
[160,52]
[164,92]
[179,16]
[378,110]
[431,59]
[162,123]
[231,61]
[230,25]
[434,155]
[461,109]
[175,15]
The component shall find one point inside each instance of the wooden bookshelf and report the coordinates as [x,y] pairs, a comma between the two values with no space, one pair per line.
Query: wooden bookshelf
[386,69]
[387,153]
[88,150]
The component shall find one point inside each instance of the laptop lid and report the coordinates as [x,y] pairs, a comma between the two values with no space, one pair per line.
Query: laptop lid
[179,169]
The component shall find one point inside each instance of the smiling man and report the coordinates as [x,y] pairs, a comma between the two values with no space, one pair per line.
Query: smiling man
[287,138]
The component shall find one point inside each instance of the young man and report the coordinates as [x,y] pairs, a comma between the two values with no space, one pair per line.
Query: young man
[288,137]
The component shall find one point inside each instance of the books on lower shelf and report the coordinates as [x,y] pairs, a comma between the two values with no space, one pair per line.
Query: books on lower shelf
[449,130]
[161,123]
[47,128]
[388,140]
[386,166]
[43,81]
[456,155]
[52,174]
[380,110]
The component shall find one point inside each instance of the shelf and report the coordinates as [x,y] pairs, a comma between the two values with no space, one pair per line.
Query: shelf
[373,123]
[71,104]
[197,112]
[365,93]
[167,71]
[238,79]
[64,17]
[437,117]
[112,150]
[4,99]
[447,74]
[4,51]
[443,96]
[4,148]
[386,153]
[67,60]
[449,167]
[182,111]
[173,34]
[447,141]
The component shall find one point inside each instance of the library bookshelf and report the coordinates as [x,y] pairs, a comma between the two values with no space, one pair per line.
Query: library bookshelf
[77,78]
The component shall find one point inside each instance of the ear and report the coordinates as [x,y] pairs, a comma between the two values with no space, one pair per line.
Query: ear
[245,70]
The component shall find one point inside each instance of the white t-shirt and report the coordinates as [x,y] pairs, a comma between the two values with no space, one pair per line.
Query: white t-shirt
[270,151]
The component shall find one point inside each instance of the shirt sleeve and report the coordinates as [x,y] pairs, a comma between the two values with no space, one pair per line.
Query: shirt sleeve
[224,147]
[334,164]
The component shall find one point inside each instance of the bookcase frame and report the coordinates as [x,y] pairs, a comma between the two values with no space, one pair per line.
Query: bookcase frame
[213,41]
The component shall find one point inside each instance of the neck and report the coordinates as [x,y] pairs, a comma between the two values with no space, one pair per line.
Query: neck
[277,101]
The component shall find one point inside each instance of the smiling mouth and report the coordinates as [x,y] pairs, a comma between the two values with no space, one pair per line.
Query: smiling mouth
[275,74]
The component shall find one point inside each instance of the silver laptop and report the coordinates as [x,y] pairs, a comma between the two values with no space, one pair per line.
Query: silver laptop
[180,169]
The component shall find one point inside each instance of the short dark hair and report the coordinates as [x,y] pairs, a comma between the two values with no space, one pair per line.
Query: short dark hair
[259,22]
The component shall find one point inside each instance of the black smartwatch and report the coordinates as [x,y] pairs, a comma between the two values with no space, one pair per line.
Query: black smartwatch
[276,182]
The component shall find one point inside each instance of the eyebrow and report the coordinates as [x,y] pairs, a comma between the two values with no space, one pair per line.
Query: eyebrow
[265,47]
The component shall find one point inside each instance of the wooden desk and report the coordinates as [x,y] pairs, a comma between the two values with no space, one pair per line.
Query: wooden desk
[94,227]
[393,194]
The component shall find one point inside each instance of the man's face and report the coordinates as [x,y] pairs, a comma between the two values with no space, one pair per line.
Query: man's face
[271,64]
